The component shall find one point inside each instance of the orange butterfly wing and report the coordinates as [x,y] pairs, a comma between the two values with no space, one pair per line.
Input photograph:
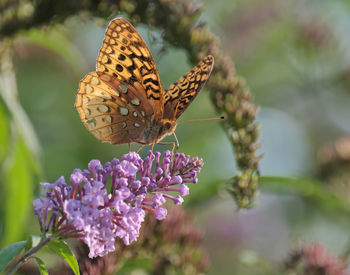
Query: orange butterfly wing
[181,93]
[126,56]
[112,111]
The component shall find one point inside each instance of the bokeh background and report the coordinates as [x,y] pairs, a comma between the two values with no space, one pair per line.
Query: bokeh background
[295,57]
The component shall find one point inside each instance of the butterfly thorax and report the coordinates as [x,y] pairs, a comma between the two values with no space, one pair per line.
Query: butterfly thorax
[158,131]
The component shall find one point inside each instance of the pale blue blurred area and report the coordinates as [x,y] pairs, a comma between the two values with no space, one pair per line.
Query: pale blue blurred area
[285,142]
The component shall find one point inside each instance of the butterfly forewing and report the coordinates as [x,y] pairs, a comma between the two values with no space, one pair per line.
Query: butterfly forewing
[125,56]
[181,93]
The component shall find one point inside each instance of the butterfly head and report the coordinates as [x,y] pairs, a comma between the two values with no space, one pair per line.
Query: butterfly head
[166,128]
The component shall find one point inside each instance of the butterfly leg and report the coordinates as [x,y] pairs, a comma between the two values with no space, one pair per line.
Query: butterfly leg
[177,142]
[129,147]
[138,150]
[168,143]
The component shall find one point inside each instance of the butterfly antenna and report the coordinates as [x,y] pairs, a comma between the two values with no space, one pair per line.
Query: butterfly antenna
[199,119]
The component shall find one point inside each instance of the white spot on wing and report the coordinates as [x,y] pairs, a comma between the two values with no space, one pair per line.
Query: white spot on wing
[107,96]
[95,80]
[123,111]
[135,101]
[87,111]
[108,119]
[103,108]
[124,88]
[85,99]
[89,89]
[113,91]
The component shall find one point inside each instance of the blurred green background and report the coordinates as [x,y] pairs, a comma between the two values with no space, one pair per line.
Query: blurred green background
[295,57]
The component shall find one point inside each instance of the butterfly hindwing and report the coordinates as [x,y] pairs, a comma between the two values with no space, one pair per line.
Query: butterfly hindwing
[126,56]
[181,93]
[111,110]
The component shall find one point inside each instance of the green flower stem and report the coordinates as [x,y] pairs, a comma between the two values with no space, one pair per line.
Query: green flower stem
[28,254]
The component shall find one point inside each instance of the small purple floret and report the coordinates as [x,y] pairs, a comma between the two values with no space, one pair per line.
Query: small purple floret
[160,213]
[98,214]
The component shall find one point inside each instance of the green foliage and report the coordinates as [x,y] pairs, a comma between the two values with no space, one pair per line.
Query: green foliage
[18,191]
[32,241]
[4,133]
[41,265]
[310,189]
[56,41]
[9,252]
[63,250]
[139,263]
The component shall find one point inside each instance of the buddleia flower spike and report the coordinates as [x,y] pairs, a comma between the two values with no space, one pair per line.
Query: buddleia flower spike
[97,213]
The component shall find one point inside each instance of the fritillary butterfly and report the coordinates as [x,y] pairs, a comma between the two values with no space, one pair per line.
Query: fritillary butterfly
[123,101]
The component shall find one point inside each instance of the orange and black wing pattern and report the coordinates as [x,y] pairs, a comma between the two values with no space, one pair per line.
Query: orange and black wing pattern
[181,93]
[126,56]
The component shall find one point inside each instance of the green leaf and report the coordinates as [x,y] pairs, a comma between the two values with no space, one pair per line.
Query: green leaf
[18,192]
[9,252]
[64,251]
[4,133]
[32,241]
[42,267]
[310,189]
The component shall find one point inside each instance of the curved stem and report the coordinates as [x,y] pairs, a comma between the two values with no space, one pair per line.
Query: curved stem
[28,254]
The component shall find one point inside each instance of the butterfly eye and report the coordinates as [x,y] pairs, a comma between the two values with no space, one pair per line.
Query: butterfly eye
[167,125]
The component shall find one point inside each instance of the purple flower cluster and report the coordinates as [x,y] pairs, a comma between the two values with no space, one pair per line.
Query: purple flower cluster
[109,202]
